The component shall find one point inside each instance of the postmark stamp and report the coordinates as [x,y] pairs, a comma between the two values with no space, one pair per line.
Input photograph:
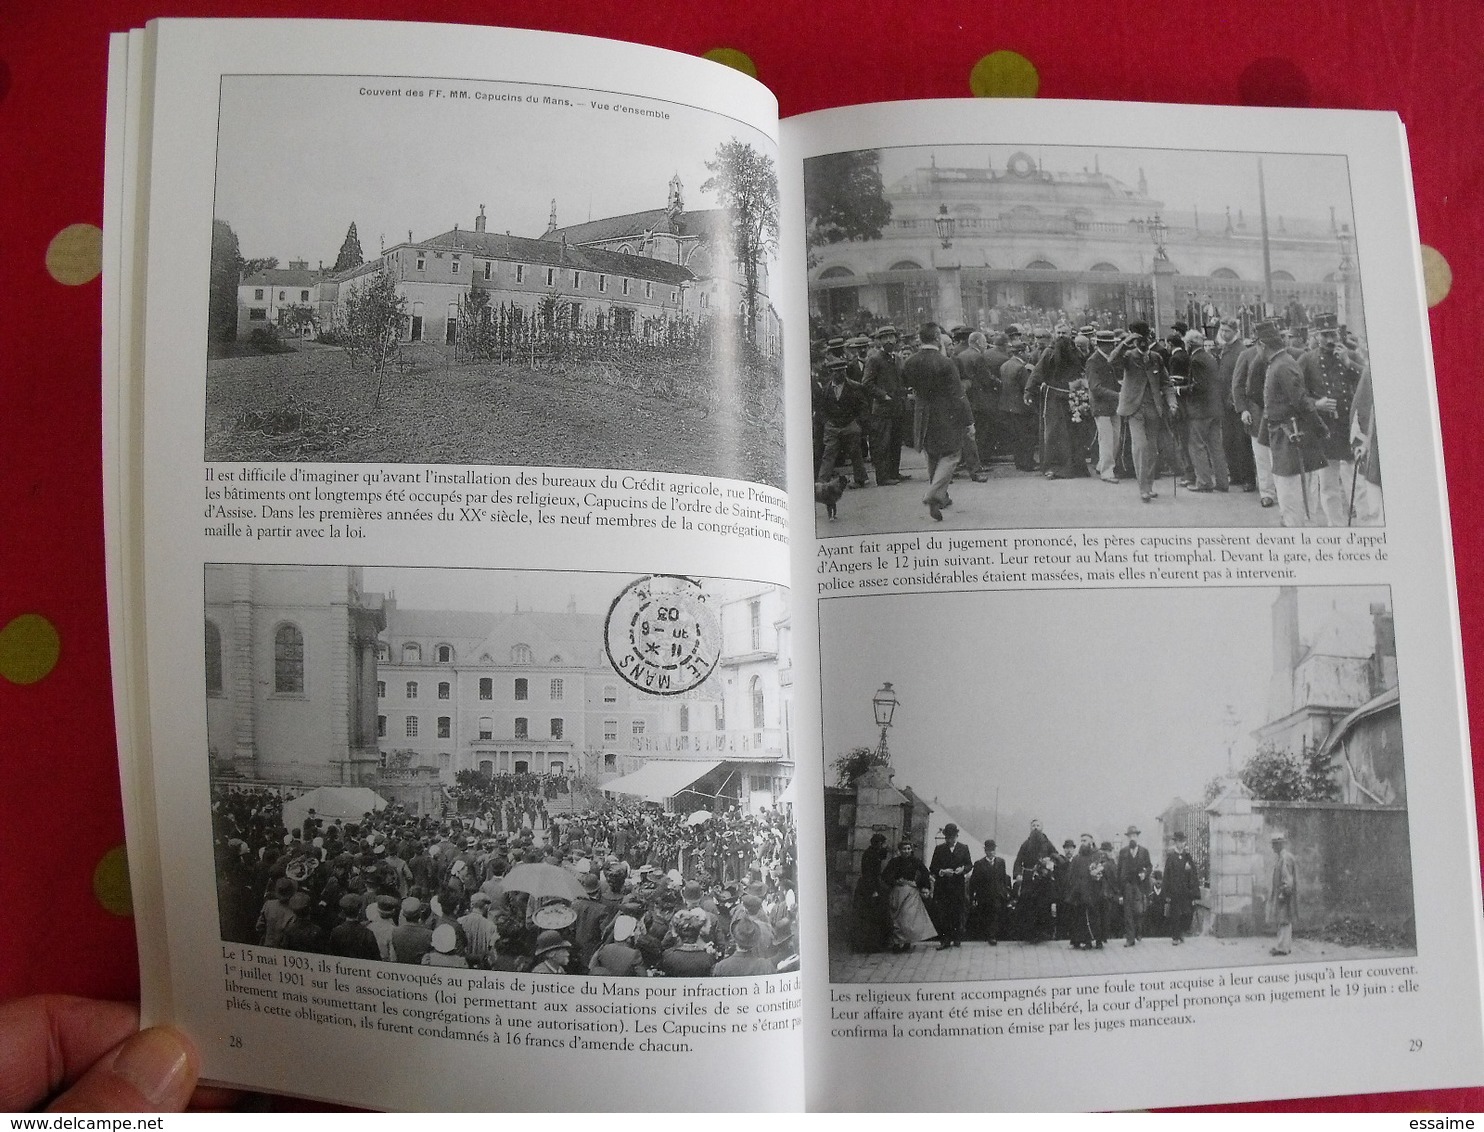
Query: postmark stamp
[662,635]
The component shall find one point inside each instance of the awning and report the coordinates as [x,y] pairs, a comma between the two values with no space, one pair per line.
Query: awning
[659,779]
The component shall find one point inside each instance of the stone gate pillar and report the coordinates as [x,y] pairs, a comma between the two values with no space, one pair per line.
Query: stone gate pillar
[879,808]
[1236,859]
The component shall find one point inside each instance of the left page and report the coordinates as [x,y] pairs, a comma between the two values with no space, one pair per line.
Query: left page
[450,575]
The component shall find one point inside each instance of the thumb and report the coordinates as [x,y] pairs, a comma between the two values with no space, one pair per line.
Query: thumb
[152,1071]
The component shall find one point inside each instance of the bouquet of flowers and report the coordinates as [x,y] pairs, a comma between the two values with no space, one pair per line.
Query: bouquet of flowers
[1078,401]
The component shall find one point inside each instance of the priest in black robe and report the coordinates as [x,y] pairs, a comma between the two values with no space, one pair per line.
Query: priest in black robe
[950,866]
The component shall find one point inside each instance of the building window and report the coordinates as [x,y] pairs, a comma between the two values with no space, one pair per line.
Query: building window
[674,296]
[576,279]
[486,688]
[422,263]
[303,296]
[412,654]
[381,727]
[258,293]
[521,654]
[257,314]
[213,658]
[705,300]
[383,654]
[721,717]
[455,265]
[638,727]
[445,654]
[556,728]
[522,688]
[486,727]
[445,726]
[551,277]
[755,623]
[625,286]
[556,689]
[412,689]
[649,290]
[280,296]
[610,693]
[522,727]
[610,762]
[757,702]
[610,730]
[520,273]
[381,689]
[685,717]
[602,282]
[412,727]
[444,690]
[288,660]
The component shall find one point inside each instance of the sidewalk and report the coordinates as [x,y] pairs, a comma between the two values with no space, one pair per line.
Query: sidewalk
[978,962]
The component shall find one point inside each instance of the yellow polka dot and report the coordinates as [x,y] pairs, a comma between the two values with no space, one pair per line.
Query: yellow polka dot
[29,647]
[1437,276]
[75,255]
[1004,74]
[731,57]
[111,882]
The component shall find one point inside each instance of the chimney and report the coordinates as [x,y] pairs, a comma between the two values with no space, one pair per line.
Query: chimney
[1384,674]
[479,220]
[1286,648]
[551,224]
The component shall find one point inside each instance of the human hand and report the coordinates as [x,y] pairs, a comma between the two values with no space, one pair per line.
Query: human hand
[1247,417]
[84,1055]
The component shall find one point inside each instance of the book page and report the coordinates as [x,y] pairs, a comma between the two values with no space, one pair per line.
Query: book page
[1141,710]
[463,754]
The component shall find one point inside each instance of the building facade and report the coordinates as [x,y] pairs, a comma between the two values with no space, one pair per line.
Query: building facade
[266,297]
[965,242]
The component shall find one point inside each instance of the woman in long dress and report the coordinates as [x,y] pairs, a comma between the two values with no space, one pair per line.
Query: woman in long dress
[907,880]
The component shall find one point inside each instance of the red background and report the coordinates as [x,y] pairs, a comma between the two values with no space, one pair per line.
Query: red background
[59,807]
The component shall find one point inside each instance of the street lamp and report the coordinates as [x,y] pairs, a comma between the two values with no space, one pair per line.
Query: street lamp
[1157,230]
[884,703]
[945,225]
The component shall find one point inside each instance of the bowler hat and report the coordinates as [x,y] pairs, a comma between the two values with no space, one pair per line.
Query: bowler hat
[550,941]
[1132,830]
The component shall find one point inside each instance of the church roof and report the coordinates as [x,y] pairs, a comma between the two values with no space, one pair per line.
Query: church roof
[705,224]
[554,253]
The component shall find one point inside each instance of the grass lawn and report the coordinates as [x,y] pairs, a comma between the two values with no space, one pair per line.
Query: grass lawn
[310,406]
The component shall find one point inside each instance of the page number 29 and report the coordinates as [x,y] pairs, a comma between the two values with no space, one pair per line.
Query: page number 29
[1414,1045]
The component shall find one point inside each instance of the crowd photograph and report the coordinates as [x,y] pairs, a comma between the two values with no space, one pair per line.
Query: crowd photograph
[1033,803]
[1020,324]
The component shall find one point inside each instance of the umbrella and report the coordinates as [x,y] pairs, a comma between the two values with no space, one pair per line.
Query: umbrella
[700,817]
[348,803]
[542,881]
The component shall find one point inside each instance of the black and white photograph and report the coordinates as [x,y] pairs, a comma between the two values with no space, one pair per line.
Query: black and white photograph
[1060,336]
[580,773]
[446,271]
[1192,779]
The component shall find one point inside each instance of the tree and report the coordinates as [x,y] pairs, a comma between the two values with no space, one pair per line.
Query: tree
[855,762]
[746,187]
[373,326]
[843,199]
[253,266]
[350,250]
[226,274]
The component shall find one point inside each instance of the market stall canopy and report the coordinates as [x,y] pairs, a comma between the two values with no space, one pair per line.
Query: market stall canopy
[659,779]
[348,803]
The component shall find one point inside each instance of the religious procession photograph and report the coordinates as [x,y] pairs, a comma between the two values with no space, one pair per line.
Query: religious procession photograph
[1058,336]
[1007,802]
[558,772]
[447,271]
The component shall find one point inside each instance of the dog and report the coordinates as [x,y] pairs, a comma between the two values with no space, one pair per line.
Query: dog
[829,494]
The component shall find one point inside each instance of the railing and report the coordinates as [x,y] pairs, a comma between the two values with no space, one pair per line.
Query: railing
[755,742]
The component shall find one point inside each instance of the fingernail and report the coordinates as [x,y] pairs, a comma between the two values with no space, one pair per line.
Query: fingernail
[155,1062]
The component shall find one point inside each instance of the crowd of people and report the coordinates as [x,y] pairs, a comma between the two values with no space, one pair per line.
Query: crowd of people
[1085,894]
[1280,408]
[616,891]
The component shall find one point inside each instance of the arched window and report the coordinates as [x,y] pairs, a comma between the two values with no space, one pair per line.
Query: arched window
[486,727]
[213,659]
[1102,267]
[1224,273]
[522,727]
[521,654]
[905,265]
[444,689]
[412,653]
[1282,277]
[288,660]
[445,654]
[685,717]
[836,273]
[384,653]
[1040,265]
[610,762]
[758,708]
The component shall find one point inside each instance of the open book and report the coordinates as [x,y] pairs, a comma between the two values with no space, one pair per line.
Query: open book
[503,724]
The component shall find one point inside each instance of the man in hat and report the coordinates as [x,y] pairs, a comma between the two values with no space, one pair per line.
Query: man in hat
[690,957]
[882,383]
[1182,888]
[1102,394]
[553,953]
[943,415]
[1234,435]
[1283,895]
[1249,372]
[1134,869]
[989,886]
[1204,404]
[1296,432]
[351,938]
[745,960]
[950,866]
[617,957]
[972,373]
[842,404]
[1145,401]
[1329,374]
[593,914]
[412,938]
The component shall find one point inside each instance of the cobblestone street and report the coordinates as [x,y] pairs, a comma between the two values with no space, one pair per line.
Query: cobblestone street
[978,962]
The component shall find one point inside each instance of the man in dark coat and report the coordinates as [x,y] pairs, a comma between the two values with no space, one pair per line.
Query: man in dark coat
[1102,393]
[943,415]
[1248,373]
[1050,389]
[842,404]
[1033,872]
[1296,430]
[989,885]
[1283,895]
[1204,404]
[1134,869]
[1182,887]
[1329,373]
[1017,422]
[950,867]
[882,383]
[1234,436]
[1145,401]
[872,918]
[1084,888]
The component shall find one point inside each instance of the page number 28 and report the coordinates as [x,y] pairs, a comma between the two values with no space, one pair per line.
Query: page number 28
[1414,1045]
[234,1041]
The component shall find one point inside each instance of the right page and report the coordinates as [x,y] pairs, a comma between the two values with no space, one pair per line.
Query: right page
[1139,679]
